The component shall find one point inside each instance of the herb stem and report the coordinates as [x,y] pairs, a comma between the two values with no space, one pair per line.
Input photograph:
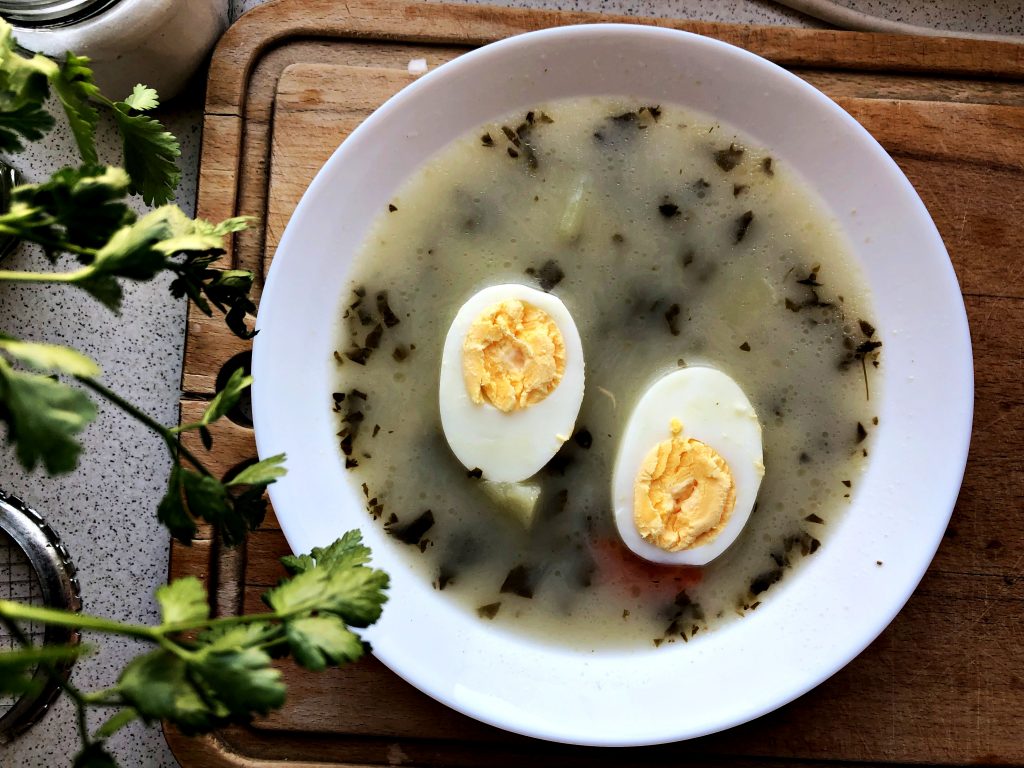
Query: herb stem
[172,647]
[14,276]
[102,698]
[221,621]
[76,695]
[50,245]
[173,443]
[11,611]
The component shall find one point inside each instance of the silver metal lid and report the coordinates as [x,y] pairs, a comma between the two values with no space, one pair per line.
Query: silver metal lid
[51,13]
[35,568]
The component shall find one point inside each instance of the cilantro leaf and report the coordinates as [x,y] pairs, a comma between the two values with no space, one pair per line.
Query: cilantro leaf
[197,235]
[74,86]
[172,512]
[43,416]
[150,155]
[29,120]
[78,206]
[319,641]
[192,496]
[236,636]
[353,593]
[183,600]
[158,686]
[49,357]
[204,690]
[142,98]
[227,398]
[262,473]
[242,680]
[95,756]
[251,506]
[24,87]
[346,552]
[207,499]
[297,563]
[131,252]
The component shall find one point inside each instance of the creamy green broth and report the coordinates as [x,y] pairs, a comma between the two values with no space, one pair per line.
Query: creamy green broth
[673,241]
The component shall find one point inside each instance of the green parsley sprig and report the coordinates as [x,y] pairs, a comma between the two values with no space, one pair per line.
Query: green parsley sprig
[82,215]
[204,671]
[150,151]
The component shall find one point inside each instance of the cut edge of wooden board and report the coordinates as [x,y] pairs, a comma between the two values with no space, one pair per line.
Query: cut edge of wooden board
[208,751]
[272,23]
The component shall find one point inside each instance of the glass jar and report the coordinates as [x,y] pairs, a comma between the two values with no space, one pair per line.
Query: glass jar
[157,42]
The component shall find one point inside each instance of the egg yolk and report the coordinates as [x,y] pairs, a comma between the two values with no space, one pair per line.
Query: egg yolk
[513,356]
[684,493]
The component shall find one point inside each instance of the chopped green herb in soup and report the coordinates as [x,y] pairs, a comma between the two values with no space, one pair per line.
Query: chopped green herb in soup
[621,243]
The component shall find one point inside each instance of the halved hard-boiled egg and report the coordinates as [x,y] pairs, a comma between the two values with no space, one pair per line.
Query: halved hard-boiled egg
[511,381]
[688,468]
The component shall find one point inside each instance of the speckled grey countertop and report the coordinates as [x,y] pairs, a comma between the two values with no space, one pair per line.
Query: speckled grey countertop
[105,512]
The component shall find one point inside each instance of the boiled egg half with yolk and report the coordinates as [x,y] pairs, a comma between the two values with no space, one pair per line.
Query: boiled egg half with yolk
[511,381]
[688,468]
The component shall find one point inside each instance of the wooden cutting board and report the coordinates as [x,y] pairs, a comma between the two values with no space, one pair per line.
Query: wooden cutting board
[945,683]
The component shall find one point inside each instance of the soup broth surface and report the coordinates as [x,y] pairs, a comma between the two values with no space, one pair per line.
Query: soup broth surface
[674,241]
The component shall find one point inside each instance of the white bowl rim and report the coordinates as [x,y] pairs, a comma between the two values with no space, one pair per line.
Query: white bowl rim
[286,497]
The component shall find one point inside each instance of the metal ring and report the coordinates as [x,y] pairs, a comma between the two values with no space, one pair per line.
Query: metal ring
[58,581]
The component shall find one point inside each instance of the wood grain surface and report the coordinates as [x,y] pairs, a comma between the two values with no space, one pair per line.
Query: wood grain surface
[944,684]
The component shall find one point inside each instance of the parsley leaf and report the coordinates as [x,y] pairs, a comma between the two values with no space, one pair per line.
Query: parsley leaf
[77,206]
[196,235]
[43,416]
[251,506]
[206,689]
[227,398]
[183,600]
[49,357]
[132,251]
[172,512]
[159,687]
[262,473]
[346,552]
[29,120]
[192,497]
[236,635]
[142,98]
[240,680]
[23,89]
[209,673]
[353,593]
[150,155]
[207,499]
[75,88]
[319,641]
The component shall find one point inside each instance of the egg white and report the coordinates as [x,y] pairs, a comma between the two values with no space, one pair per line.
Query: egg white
[509,447]
[713,409]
